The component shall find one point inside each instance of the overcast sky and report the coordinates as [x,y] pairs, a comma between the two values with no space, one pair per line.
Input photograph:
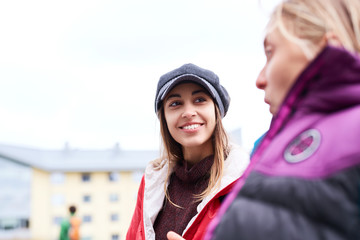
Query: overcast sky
[85,72]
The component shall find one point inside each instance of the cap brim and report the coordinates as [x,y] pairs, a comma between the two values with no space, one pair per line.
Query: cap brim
[192,78]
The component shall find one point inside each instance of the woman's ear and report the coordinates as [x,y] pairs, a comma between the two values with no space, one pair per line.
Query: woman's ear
[330,38]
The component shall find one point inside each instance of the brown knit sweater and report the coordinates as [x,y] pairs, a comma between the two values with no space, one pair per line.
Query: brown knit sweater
[184,184]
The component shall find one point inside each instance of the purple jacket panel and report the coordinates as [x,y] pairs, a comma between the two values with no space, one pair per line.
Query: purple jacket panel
[340,126]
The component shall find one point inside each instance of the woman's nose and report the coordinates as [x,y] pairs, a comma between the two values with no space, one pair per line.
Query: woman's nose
[261,80]
[189,111]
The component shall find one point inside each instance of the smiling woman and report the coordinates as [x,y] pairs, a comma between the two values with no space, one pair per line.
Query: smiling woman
[198,166]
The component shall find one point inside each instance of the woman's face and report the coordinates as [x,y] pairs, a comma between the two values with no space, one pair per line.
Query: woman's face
[285,60]
[190,116]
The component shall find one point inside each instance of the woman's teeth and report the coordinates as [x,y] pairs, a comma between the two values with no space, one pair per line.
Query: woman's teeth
[193,126]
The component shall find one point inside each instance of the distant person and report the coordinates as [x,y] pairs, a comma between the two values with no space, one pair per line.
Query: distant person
[304,178]
[182,190]
[70,227]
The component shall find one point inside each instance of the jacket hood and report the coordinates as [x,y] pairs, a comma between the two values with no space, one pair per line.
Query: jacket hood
[336,85]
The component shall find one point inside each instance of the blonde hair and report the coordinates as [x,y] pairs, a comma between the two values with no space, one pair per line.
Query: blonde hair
[306,22]
[172,153]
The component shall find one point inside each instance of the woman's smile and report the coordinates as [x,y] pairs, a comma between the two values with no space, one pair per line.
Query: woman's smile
[191,126]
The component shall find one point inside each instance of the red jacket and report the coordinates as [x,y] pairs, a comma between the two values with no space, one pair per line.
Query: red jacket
[151,196]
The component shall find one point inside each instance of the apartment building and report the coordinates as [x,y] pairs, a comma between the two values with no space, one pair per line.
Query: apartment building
[102,184]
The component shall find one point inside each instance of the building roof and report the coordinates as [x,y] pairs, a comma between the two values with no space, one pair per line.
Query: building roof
[76,160]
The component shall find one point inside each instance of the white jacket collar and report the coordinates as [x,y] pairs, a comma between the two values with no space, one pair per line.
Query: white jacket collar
[154,194]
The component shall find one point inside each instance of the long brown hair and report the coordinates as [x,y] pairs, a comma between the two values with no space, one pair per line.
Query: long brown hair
[172,153]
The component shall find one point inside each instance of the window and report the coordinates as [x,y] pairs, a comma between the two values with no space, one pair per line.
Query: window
[86,198]
[57,199]
[114,176]
[57,220]
[115,237]
[57,178]
[114,217]
[24,223]
[113,197]
[86,177]
[13,223]
[87,219]
[9,224]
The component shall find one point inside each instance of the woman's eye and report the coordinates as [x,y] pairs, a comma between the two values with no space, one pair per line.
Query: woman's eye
[198,100]
[268,52]
[174,104]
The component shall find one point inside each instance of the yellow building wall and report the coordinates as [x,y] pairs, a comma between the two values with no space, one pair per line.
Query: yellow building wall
[39,206]
[100,208]
[130,189]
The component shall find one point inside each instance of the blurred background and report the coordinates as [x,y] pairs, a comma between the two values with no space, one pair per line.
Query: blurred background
[77,88]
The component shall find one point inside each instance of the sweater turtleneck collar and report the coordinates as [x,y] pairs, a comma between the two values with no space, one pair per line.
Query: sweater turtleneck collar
[197,171]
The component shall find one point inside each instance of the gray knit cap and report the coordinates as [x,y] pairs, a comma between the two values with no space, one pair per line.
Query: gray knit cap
[193,73]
